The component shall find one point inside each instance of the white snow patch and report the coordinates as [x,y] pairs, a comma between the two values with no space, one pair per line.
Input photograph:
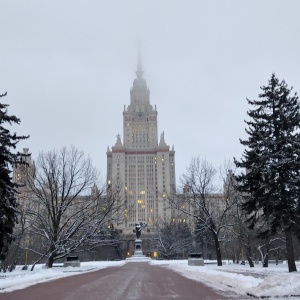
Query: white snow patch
[20,279]
[274,281]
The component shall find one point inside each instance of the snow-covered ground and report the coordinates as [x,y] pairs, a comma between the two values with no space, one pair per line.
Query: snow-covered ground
[19,279]
[274,281]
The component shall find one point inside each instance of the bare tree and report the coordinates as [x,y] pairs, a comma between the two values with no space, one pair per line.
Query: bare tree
[66,209]
[246,237]
[172,239]
[211,210]
[268,246]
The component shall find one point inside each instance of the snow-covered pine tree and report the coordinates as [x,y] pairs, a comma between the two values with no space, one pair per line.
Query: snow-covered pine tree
[8,203]
[271,159]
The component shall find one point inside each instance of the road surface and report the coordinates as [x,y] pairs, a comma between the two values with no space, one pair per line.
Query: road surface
[132,281]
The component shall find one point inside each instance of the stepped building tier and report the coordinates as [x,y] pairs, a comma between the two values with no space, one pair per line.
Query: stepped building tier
[141,165]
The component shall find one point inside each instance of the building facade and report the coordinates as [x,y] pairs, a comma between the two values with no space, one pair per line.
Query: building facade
[142,165]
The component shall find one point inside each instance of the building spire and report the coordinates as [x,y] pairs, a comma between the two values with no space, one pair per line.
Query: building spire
[139,72]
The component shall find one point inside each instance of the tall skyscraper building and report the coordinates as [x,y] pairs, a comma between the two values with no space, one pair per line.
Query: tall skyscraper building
[141,165]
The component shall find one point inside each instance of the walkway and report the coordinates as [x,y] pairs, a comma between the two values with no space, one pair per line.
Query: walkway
[132,281]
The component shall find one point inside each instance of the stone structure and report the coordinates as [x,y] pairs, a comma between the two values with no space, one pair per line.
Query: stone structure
[72,261]
[144,167]
[196,259]
[20,172]
[138,249]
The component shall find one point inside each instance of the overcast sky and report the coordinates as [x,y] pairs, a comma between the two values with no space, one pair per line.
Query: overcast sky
[68,67]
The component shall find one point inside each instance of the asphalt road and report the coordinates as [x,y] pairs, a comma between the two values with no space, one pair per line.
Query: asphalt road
[134,280]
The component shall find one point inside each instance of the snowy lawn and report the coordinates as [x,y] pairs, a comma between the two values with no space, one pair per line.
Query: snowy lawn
[274,281]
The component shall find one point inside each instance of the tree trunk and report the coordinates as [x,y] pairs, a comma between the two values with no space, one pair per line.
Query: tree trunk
[266,260]
[218,251]
[41,257]
[249,256]
[290,250]
[250,260]
[50,261]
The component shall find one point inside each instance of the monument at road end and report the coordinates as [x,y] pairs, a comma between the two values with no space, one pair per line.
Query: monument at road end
[138,249]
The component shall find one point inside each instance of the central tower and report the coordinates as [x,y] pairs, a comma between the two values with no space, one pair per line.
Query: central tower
[142,166]
[140,119]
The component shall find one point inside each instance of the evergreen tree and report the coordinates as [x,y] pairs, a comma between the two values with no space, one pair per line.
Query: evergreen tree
[271,159]
[8,203]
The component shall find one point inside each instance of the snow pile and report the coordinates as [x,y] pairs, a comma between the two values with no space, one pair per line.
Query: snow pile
[218,279]
[278,285]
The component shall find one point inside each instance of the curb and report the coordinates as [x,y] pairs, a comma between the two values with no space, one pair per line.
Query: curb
[266,297]
[80,271]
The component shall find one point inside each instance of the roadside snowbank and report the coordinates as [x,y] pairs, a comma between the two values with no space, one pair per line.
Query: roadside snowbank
[274,281]
[20,279]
